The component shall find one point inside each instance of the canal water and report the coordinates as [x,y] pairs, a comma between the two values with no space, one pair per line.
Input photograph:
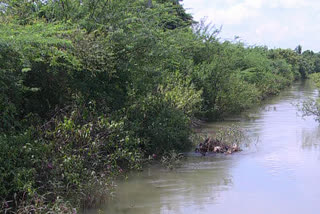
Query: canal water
[278,174]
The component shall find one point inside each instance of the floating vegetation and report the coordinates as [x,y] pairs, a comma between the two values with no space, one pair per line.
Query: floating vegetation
[172,159]
[227,140]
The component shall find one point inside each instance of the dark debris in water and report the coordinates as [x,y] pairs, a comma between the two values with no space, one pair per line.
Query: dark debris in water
[216,146]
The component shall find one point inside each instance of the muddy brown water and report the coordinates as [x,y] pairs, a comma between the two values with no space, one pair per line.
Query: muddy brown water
[279,175]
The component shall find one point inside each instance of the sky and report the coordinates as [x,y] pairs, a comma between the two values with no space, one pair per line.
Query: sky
[274,23]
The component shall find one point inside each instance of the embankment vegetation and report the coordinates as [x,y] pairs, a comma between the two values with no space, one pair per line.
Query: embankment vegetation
[91,88]
[311,105]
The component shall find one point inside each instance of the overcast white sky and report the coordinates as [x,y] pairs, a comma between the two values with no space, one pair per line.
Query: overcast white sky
[275,23]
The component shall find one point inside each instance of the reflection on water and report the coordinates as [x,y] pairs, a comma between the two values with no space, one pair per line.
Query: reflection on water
[311,138]
[195,185]
[281,175]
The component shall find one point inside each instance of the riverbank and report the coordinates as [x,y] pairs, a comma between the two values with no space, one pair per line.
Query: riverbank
[85,97]
[281,170]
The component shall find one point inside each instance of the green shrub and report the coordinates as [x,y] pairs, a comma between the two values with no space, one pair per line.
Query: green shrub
[19,155]
[162,126]
[237,95]
[85,151]
[316,79]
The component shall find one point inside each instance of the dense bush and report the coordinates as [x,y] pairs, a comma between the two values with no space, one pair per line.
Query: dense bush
[72,155]
[236,95]
[160,123]
[18,156]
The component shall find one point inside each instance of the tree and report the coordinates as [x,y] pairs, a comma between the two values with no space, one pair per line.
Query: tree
[298,49]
